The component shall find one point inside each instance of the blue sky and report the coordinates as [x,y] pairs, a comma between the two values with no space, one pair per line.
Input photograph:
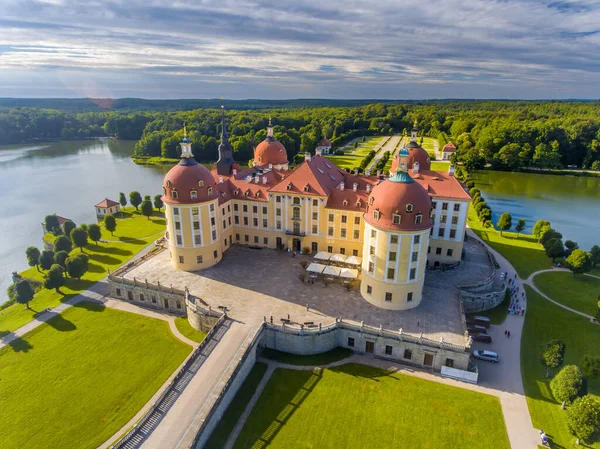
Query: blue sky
[390,49]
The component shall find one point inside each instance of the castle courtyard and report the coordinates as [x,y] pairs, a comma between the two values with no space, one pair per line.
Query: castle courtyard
[257,283]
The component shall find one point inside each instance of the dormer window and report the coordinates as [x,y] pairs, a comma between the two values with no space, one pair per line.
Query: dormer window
[168,183]
[409,207]
[200,183]
[345,202]
[257,194]
[418,218]
[376,214]
[246,192]
[289,186]
[306,187]
[193,194]
[358,203]
[174,194]
[236,192]
[259,158]
[371,200]
[209,191]
[396,219]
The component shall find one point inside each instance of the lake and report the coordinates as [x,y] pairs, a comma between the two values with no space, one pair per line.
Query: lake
[570,203]
[66,178]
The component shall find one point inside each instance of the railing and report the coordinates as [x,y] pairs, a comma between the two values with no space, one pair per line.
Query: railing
[225,389]
[294,232]
[125,268]
[149,286]
[371,330]
[129,436]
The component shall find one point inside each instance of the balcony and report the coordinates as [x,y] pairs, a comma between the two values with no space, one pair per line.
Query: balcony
[296,232]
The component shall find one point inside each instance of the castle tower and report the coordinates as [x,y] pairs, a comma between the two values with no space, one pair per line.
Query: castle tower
[225,162]
[414,132]
[395,241]
[191,204]
[271,152]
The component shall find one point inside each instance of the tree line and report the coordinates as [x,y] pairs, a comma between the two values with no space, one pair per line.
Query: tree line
[505,135]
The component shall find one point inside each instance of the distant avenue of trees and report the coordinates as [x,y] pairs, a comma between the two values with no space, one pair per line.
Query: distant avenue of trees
[507,135]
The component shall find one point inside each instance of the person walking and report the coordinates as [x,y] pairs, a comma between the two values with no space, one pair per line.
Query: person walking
[508,335]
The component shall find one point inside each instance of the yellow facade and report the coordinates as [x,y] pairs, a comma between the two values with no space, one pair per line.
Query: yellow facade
[393,267]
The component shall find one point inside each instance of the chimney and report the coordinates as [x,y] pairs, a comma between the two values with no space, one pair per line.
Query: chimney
[264,179]
[307,156]
[451,170]
[342,185]
[367,172]
[318,151]
[271,166]
[256,179]
[355,186]
[368,188]
[234,171]
[220,180]
[378,172]
[416,167]
[356,172]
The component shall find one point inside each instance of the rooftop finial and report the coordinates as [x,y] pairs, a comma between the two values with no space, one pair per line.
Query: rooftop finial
[415,123]
[270,129]
[184,129]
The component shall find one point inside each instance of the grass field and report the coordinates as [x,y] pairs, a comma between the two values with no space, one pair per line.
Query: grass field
[545,321]
[134,232]
[76,380]
[184,326]
[355,406]
[353,157]
[578,292]
[236,408]
[427,143]
[324,358]
[440,166]
[524,252]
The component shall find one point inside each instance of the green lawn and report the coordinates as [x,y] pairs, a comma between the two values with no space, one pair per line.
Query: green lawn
[76,380]
[440,166]
[545,321]
[578,292]
[427,143]
[355,406]
[236,408]
[524,252]
[134,233]
[353,157]
[324,358]
[184,326]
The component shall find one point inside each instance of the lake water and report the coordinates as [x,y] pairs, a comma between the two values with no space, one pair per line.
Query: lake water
[570,203]
[66,178]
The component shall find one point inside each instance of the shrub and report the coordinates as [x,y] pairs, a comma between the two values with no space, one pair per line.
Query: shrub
[590,366]
[481,205]
[583,418]
[63,243]
[303,263]
[471,186]
[568,384]
[60,258]
[306,250]
[339,152]
[473,190]
[552,354]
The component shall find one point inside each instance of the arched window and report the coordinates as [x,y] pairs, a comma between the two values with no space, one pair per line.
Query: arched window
[418,218]
[371,200]
[209,191]
[174,194]
[168,183]
[193,194]
[376,214]
[345,202]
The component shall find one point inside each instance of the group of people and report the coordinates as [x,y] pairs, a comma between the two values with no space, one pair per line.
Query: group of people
[516,295]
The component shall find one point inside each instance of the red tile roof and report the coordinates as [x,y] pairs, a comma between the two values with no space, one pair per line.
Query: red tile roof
[449,148]
[107,203]
[440,184]
[324,142]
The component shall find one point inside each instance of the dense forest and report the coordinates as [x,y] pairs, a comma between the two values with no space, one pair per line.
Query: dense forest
[505,134]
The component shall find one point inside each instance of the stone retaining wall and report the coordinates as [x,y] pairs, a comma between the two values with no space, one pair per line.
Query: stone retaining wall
[480,302]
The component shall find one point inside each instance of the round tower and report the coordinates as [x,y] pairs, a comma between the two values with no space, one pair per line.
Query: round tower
[270,152]
[396,239]
[191,202]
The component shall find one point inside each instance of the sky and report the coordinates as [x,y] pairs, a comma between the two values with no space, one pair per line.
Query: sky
[238,49]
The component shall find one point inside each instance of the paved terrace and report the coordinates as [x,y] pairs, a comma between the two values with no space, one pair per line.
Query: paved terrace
[254,283]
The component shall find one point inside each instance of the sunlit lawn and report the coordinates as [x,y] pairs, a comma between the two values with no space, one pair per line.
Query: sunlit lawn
[524,252]
[578,292]
[427,143]
[440,166]
[133,234]
[76,380]
[355,406]
[184,326]
[545,321]
[353,157]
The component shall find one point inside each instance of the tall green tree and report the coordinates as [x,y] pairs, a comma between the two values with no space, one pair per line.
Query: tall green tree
[55,278]
[595,253]
[147,207]
[110,223]
[568,384]
[505,222]
[63,243]
[158,203]
[46,259]
[520,226]
[67,227]
[33,257]
[21,292]
[77,265]
[554,248]
[579,261]
[79,236]
[571,246]
[552,355]
[135,199]
[60,258]
[583,418]
[94,232]
[122,199]
[539,228]
[51,224]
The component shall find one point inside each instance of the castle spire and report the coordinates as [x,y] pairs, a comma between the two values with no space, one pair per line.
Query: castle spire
[186,145]
[270,129]
[414,132]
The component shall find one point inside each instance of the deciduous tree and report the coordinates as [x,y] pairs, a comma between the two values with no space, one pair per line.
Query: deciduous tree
[539,228]
[135,199]
[60,258]
[21,292]
[77,265]
[94,232]
[63,243]
[46,259]
[33,257]
[571,246]
[583,418]
[55,278]
[595,253]
[79,236]
[67,227]
[579,261]
[554,248]
[520,226]
[158,203]
[568,384]
[147,208]
[51,224]
[122,199]
[110,223]
[552,355]
[505,222]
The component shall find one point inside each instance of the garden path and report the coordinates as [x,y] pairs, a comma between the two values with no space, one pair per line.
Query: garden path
[390,145]
[529,281]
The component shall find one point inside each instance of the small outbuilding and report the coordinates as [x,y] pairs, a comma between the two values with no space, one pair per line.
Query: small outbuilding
[448,150]
[324,146]
[107,207]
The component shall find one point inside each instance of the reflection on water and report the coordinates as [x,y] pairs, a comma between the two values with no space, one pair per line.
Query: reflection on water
[570,203]
[66,178]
